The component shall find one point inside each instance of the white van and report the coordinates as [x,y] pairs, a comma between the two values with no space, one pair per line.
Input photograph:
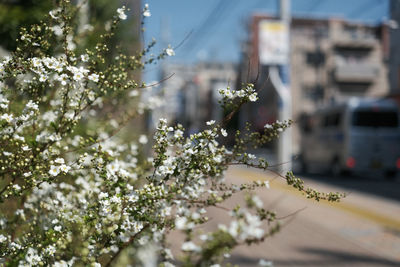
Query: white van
[359,136]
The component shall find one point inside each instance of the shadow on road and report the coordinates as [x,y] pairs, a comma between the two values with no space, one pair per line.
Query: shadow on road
[319,257]
[378,186]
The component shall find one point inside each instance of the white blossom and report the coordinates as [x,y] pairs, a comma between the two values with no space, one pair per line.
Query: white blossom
[121,13]
[268,126]
[224,132]
[51,250]
[253,97]
[143,139]
[257,201]
[53,13]
[180,223]
[32,257]
[91,96]
[94,77]
[50,62]
[26,148]
[7,117]
[85,57]
[146,11]
[54,170]
[78,76]
[59,160]
[43,78]
[58,31]
[70,115]
[251,156]
[16,187]
[113,167]
[241,93]
[170,52]
[134,93]
[2,238]
[103,195]
[36,62]
[190,246]
[63,78]
[32,105]
[65,168]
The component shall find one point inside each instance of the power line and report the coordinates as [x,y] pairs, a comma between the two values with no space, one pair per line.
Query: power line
[212,28]
[315,5]
[209,25]
[363,8]
[198,33]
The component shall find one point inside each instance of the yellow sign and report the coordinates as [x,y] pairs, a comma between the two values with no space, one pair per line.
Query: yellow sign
[273,44]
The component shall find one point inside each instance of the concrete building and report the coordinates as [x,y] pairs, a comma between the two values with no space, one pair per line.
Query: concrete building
[330,60]
[192,93]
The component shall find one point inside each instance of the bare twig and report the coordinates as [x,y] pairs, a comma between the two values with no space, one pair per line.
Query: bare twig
[125,245]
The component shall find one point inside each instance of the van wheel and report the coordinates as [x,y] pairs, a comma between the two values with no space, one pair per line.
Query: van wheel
[303,165]
[390,175]
[336,169]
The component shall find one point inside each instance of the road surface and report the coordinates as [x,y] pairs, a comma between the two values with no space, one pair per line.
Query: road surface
[362,230]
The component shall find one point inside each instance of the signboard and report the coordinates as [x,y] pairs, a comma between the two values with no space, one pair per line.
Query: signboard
[273,43]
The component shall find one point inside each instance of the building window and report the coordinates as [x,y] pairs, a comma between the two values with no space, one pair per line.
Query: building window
[314,93]
[316,58]
[353,88]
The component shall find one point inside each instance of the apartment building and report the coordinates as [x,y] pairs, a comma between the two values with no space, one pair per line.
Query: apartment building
[330,61]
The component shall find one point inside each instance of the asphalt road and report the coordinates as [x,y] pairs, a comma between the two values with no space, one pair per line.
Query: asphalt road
[362,230]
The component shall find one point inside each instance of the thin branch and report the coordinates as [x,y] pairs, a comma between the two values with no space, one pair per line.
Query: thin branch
[291,214]
[159,82]
[125,245]
[258,73]
[248,69]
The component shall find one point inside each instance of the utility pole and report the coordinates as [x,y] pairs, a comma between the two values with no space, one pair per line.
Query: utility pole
[280,78]
[284,11]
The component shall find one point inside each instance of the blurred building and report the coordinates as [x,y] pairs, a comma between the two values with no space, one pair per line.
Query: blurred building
[330,60]
[394,59]
[191,95]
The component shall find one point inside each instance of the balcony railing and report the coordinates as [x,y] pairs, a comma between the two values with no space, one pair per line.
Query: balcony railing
[345,41]
[356,72]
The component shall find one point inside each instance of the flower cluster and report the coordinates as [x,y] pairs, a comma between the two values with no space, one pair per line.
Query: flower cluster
[121,13]
[248,93]
[146,11]
[75,191]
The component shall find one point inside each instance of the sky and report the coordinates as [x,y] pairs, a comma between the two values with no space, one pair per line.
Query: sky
[212,30]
